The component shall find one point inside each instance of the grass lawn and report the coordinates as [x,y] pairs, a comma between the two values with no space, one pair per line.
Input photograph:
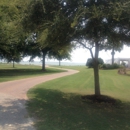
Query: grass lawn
[57,104]
[8,73]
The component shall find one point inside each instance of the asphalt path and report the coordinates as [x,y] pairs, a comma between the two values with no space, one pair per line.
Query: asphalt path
[13,113]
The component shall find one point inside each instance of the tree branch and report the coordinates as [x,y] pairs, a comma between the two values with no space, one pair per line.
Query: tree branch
[90,49]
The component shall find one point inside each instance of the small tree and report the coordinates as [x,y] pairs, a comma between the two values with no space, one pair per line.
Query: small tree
[13,54]
[61,54]
[90,63]
[113,45]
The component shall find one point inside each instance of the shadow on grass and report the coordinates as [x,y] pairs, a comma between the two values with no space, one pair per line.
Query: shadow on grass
[55,110]
[13,115]
[26,72]
[101,99]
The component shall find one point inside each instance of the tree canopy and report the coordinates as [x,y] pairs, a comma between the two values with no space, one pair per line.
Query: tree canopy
[52,28]
[11,34]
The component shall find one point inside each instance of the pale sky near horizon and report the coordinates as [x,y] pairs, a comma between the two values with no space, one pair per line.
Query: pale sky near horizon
[80,55]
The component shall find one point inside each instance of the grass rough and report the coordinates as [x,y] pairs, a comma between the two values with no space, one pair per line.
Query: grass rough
[57,104]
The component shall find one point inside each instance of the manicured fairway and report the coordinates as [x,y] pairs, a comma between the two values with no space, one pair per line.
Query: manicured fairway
[57,104]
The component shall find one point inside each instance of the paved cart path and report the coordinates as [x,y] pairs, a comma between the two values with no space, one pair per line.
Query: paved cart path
[13,114]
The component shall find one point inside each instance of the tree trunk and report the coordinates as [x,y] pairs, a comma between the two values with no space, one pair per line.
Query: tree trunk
[59,63]
[96,80]
[43,61]
[13,63]
[96,70]
[112,53]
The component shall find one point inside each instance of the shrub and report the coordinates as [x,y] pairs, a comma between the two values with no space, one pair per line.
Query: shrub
[89,62]
[109,66]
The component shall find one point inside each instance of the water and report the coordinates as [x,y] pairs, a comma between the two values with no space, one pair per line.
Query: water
[53,63]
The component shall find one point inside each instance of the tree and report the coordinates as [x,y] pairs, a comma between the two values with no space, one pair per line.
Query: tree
[113,46]
[61,54]
[96,22]
[13,54]
[10,32]
[46,19]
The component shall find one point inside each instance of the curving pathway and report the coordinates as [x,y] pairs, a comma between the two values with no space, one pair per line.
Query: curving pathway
[13,114]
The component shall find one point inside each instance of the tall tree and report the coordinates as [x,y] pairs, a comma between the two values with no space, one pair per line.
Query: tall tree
[97,21]
[46,19]
[10,31]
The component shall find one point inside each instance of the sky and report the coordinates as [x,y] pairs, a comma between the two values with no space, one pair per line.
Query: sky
[81,55]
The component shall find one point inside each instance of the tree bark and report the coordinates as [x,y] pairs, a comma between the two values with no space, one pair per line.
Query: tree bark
[91,53]
[96,70]
[13,63]
[43,61]
[112,53]
[59,63]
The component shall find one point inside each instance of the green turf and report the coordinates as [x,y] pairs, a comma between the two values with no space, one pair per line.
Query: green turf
[57,104]
[7,72]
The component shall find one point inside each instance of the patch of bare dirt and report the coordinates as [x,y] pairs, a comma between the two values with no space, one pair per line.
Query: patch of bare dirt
[99,99]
